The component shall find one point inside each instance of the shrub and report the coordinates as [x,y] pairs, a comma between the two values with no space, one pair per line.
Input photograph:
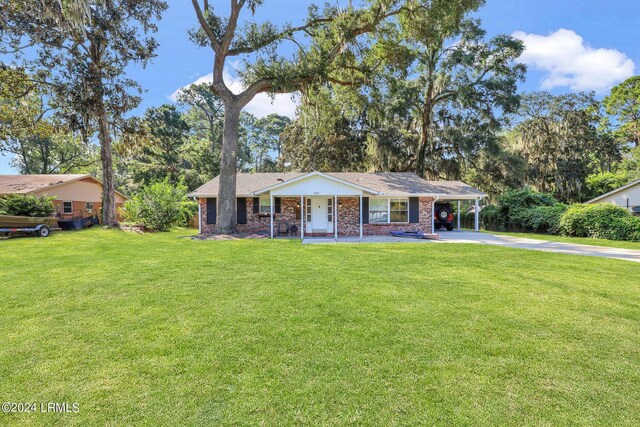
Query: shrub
[160,206]
[491,218]
[515,205]
[545,219]
[27,205]
[632,227]
[517,209]
[601,221]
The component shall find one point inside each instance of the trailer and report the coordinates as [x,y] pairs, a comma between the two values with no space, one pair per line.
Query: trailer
[38,226]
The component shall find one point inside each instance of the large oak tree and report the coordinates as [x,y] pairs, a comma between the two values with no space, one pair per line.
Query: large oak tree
[322,49]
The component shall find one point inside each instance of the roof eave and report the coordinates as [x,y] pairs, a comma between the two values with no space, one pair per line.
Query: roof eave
[315,173]
[612,192]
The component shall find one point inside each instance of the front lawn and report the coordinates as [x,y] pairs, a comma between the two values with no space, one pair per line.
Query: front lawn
[575,240]
[161,330]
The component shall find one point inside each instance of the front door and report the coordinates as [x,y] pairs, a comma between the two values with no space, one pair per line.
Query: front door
[319,215]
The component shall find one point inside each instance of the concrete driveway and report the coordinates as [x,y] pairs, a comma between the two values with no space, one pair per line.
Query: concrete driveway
[496,240]
[539,245]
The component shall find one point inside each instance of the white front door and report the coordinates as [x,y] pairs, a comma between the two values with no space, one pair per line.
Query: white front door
[319,215]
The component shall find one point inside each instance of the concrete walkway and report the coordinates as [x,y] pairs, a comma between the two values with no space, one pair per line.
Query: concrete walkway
[498,240]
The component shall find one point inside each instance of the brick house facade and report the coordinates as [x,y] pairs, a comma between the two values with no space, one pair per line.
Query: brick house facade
[329,204]
[74,194]
[348,218]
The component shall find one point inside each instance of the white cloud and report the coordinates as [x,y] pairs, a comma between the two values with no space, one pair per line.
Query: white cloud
[569,62]
[262,105]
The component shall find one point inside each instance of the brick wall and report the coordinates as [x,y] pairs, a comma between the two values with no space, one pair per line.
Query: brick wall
[80,206]
[348,218]
[257,223]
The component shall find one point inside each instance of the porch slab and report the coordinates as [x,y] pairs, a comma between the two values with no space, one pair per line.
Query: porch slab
[365,239]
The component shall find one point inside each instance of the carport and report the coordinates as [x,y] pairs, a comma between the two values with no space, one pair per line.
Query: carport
[457,192]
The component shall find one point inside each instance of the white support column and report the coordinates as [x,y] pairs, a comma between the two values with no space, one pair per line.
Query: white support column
[458,214]
[361,213]
[302,215]
[271,213]
[433,214]
[477,215]
[335,216]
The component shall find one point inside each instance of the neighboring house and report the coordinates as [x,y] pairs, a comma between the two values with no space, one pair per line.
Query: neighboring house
[74,194]
[627,196]
[330,204]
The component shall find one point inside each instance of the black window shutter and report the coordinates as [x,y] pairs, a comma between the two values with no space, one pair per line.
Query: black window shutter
[278,206]
[256,205]
[211,211]
[241,210]
[365,210]
[414,210]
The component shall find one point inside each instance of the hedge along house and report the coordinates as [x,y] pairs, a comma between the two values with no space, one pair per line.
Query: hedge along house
[332,204]
[75,194]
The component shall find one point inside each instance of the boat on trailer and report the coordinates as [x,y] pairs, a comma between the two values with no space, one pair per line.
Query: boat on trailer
[40,226]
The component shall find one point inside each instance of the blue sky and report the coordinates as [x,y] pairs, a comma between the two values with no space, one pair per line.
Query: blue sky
[571,46]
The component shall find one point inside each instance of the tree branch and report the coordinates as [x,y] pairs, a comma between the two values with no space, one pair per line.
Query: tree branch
[205,27]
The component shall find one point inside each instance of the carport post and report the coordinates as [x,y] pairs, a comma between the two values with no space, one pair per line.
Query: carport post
[433,214]
[477,215]
[458,214]
[335,215]
[361,216]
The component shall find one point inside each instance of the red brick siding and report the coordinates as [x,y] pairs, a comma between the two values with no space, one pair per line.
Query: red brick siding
[348,218]
[78,205]
[255,222]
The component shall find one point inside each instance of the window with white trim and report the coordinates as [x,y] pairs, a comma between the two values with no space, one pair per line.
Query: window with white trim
[88,206]
[398,210]
[265,205]
[67,207]
[388,211]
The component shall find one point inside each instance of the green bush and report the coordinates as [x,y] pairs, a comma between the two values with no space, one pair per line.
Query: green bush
[632,227]
[491,218]
[160,206]
[545,219]
[27,205]
[600,221]
[515,206]
[518,210]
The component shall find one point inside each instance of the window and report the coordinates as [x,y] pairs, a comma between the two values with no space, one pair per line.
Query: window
[384,211]
[329,210]
[265,205]
[88,206]
[307,208]
[378,211]
[399,210]
[67,207]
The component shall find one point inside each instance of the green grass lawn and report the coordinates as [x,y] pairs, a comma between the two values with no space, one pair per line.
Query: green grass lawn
[161,330]
[577,240]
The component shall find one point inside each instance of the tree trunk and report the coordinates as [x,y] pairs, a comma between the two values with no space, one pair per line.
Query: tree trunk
[425,140]
[226,215]
[109,217]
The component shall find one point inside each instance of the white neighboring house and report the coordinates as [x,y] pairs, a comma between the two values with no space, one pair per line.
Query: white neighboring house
[627,196]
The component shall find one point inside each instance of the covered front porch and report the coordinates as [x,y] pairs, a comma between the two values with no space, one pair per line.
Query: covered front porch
[323,203]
